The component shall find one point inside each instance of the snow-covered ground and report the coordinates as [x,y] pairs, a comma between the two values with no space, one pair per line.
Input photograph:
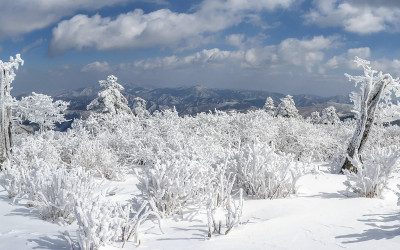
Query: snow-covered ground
[319,216]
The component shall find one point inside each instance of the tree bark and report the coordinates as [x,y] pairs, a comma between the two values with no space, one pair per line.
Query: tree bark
[364,124]
[6,122]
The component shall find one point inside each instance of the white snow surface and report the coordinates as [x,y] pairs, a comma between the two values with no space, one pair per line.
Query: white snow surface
[320,216]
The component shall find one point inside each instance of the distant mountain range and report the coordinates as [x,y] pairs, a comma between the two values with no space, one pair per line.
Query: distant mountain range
[196,99]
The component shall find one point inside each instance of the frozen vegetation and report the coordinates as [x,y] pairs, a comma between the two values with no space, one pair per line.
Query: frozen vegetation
[266,179]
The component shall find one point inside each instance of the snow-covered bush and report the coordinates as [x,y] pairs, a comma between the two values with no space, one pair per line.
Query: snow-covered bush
[373,173]
[102,222]
[139,107]
[54,191]
[51,189]
[329,116]
[133,218]
[221,207]
[98,221]
[174,184]
[28,154]
[97,158]
[263,173]
[314,118]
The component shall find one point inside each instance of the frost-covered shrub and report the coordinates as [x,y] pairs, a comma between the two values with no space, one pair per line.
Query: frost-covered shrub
[314,117]
[54,191]
[98,221]
[263,173]
[97,158]
[102,222]
[50,189]
[174,184]
[29,154]
[13,179]
[373,173]
[329,116]
[221,207]
[44,146]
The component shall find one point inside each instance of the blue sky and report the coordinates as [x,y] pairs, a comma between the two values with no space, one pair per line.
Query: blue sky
[287,46]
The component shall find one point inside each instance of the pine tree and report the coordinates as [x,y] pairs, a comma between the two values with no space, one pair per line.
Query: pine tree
[329,116]
[287,108]
[269,106]
[314,118]
[110,100]
[139,107]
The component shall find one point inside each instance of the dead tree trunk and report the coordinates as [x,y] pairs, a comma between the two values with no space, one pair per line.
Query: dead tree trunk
[7,75]
[5,123]
[371,98]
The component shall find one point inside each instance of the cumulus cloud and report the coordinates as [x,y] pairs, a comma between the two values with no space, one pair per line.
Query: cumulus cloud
[346,60]
[20,16]
[362,17]
[387,66]
[290,52]
[236,40]
[165,28]
[97,66]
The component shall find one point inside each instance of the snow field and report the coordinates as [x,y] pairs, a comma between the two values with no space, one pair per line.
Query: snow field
[319,216]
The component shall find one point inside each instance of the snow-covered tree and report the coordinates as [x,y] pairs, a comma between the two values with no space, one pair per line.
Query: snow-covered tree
[41,109]
[376,89]
[314,117]
[139,107]
[329,116]
[287,108]
[110,100]
[7,77]
[269,106]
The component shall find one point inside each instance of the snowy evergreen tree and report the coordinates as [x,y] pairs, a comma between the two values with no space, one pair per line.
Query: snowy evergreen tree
[139,107]
[7,77]
[314,117]
[287,108]
[110,100]
[269,106]
[329,116]
[41,109]
[375,90]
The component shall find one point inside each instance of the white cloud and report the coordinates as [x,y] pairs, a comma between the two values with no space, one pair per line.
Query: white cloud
[290,52]
[387,66]
[202,58]
[97,66]
[346,60]
[236,40]
[20,16]
[362,17]
[137,30]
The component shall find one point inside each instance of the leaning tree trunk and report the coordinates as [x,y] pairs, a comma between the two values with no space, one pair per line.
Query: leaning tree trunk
[371,99]
[5,115]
